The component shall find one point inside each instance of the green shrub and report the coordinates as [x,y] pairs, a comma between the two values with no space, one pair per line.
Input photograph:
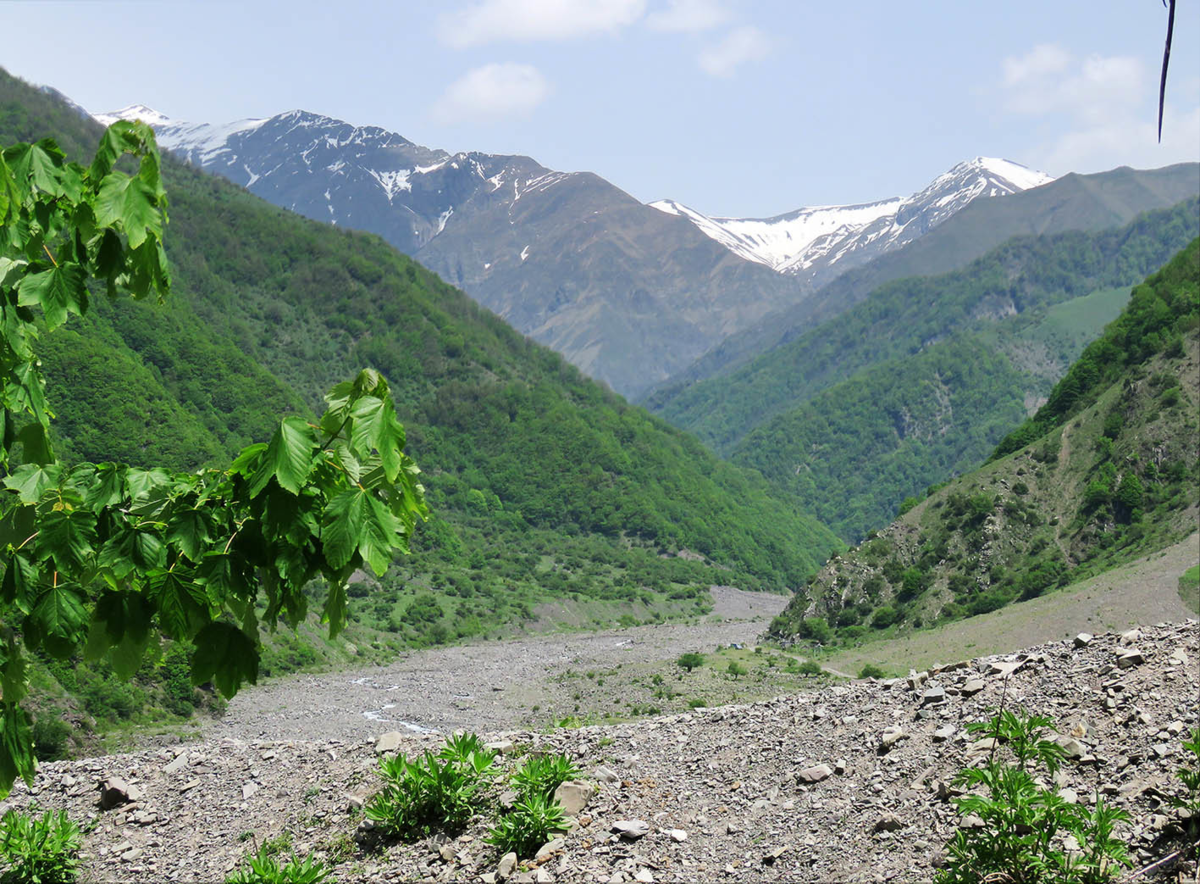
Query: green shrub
[736,669]
[542,774]
[870,670]
[1019,841]
[41,850]
[884,617]
[533,821]
[808,667]
[265,868]
[1189,775]
[51,738]
[690,661]
[433,792]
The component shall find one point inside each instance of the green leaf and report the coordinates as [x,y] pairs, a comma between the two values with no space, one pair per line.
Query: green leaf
[182,605]
[342,525]
[336,608]
[58,619]
[16,748]
[189,531]
[58,291]
[225,656]
[35,447]
[108,484]
[37,166]
[131,204]
[30,480]
[19,587]
[118,139]
[67,536]
[289,457]
[120,623]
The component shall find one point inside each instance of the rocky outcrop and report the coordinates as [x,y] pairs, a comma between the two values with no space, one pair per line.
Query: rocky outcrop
[805,788]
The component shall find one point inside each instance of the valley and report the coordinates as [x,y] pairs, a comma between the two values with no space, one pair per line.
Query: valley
[375,512]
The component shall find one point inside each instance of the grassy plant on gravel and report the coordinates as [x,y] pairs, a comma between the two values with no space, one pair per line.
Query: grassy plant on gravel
[265,867]
[1189,801]
[533,821]
[542,774]
[1030,834]
[433,792]
[38,850]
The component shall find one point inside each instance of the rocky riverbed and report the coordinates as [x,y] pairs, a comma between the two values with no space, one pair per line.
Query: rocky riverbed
[848,782]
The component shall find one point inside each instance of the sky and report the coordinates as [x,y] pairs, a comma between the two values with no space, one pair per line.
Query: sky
[742,108]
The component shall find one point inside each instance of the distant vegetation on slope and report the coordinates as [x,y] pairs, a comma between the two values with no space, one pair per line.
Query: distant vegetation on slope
[1074,202]
[1112,475]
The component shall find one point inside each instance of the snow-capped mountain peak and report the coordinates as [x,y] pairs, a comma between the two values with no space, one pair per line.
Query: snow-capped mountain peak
[810,241]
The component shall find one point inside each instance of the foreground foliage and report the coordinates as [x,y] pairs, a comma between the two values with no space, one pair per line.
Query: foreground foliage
[533,820]
[433,792]
[39,850]
[1030,834]
[113,554]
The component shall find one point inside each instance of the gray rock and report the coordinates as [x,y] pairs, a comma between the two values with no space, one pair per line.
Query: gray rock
[573,796]
[972,687]
[551,846]
[815,774]
[1004,668]
[677,835]
[248,791]
[1083,639]
[501,747]
[604,775]
[933,696]
[115,791]
[389,742]
[508,863]
[943,733]
[631,830]
[888,822]
[177,765]
[890,737]
[1132,657]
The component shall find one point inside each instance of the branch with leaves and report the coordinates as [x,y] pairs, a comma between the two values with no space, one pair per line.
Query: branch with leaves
[98,558]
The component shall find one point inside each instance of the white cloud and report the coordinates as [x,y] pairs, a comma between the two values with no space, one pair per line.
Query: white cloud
[1102,111]
[490,21]
[687,16]
[492,92]
[743,44]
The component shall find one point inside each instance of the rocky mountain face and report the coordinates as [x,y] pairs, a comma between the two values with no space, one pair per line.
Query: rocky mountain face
[630,294]
[852,782]
[819,243]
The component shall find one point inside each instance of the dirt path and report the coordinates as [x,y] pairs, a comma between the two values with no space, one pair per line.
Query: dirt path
[483,686]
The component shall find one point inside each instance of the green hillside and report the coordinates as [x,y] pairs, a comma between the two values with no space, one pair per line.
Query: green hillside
[902,317]
[1105,472]
[1073,202]
[544,483]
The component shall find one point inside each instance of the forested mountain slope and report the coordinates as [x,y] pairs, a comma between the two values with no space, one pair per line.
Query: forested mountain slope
[1106,471]
[1074,202]
[543,482]
[949,365]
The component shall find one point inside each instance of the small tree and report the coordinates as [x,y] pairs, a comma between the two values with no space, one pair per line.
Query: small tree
[109,553]
[736,669]
[690,661]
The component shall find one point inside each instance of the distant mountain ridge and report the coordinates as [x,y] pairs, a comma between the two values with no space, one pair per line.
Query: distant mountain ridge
[628,293]
[818,243]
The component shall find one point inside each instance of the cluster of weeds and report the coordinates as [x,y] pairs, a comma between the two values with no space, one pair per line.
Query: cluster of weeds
[39,850]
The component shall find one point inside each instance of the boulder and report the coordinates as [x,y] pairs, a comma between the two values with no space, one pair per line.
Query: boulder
[890,737]
[972,687]
[1083,639]
[933,696]
[888,822]
[389,742]
[114,792]
[508,864]
[573,796]
[1132,657]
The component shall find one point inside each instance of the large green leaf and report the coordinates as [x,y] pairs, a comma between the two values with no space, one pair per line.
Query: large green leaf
[121,624]
[182,605]
[58,619]
[16,747]
[58,291]
[131,204]
[66,535]
[336,608]
[189,531]
[30,480]
[288,458]
[345,515]
[225,656]
[35,165]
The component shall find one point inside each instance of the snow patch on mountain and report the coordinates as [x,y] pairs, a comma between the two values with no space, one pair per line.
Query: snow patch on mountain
[813,238]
